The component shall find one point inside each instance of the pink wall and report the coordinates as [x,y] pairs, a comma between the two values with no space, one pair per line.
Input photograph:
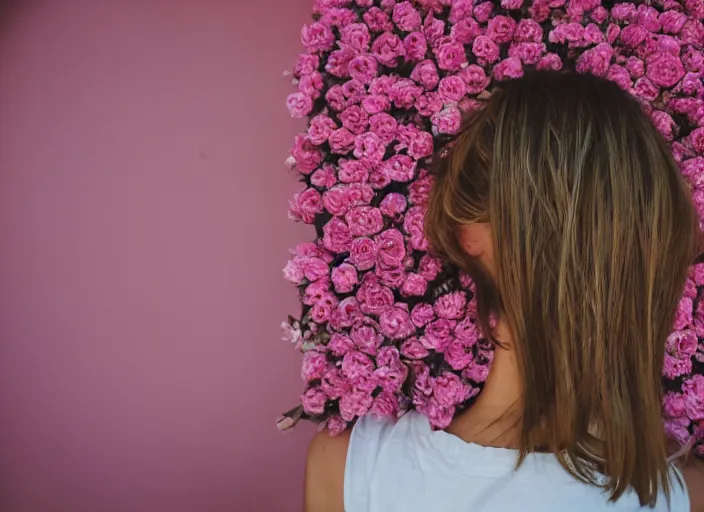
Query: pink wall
[143,230]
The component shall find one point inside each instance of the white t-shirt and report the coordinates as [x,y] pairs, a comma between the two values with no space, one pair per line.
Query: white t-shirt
[406,466]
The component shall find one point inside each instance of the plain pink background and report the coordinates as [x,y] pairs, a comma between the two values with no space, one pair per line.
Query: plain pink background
[143,229]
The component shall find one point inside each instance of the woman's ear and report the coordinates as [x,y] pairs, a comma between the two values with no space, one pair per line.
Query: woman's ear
[475,239]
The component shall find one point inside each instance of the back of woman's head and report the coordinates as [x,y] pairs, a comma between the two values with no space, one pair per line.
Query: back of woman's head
[593,231]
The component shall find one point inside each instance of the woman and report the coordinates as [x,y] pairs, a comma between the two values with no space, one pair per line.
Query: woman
[562,201]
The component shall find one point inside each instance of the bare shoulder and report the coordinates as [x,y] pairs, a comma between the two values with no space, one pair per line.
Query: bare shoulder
[325,472]
[693,472]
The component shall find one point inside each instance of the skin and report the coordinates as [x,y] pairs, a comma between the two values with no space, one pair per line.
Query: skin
[492,420]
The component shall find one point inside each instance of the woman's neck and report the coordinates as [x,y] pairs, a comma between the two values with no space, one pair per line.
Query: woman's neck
[494,419]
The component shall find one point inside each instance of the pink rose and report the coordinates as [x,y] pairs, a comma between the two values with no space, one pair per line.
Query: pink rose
[293,272]
[314,268]
[483,11]
[391,249]
[352,171]
[369,147]
[299,104]
[320,128]
[682,344]
[566,33]
[449,390]
[396,323]
[674,367]
[334,383]
[336,425]
[385,405]
[550,61]
[375,103]
[374,298]
[392,277]
[420,145]
[363,253]
[649,18]
[664,123]
[664,69]
[529,53]
[501,29]
[448,120]
[416,46]
[322,310]
[340,344]
[475,79]
[486,49]
[460,10]
[620,76]
[596,60]
[336,17]
[635,67]
[450,56]
[355,36]
[377,20]
[314,400]
[383,126]
[311,84]
[459,355]
[306,154]
[366,338]
[355,364]
[393,204]
[354,90]
[316,291]
[336,201]
[438,335]
[404,93]
[476,372]
[528,31]
[336,236]
[364,220]
[306,63]
[465,31]
[429,267]
[346,313]
[414,286]
[540,10]
[508,68]
[363,68]
[355,404]
[419,190]
[426,74]
[633,35]
[696,138]
[336,98]
[399,168]
[672,21]
[406,17]
[694,397]
[338,62]
[439,417]
[314,366]
[511,4]
[683,317]
[452,88]
[412,349]
[428,104]
[344,278]
[467,332]
[693,59]
[422,314]
[673,405]
[341,141]
[388,49]
[599,14]
[451,305]
[624,12]
[433,29]
[644,88]
[305,205]
[316,37]
[593,34]
[354,119]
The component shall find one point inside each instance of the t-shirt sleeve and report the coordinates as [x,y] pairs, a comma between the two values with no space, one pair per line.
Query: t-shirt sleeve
[366,442]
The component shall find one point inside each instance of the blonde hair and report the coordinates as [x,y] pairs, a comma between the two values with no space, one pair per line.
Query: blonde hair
[593,232]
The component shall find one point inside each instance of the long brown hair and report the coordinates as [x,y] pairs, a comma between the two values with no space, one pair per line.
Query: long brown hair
[593,232]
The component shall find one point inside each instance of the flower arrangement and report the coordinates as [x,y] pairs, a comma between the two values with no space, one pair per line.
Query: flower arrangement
[385,326]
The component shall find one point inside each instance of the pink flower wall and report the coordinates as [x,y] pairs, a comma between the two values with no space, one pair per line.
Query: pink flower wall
[140,284]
